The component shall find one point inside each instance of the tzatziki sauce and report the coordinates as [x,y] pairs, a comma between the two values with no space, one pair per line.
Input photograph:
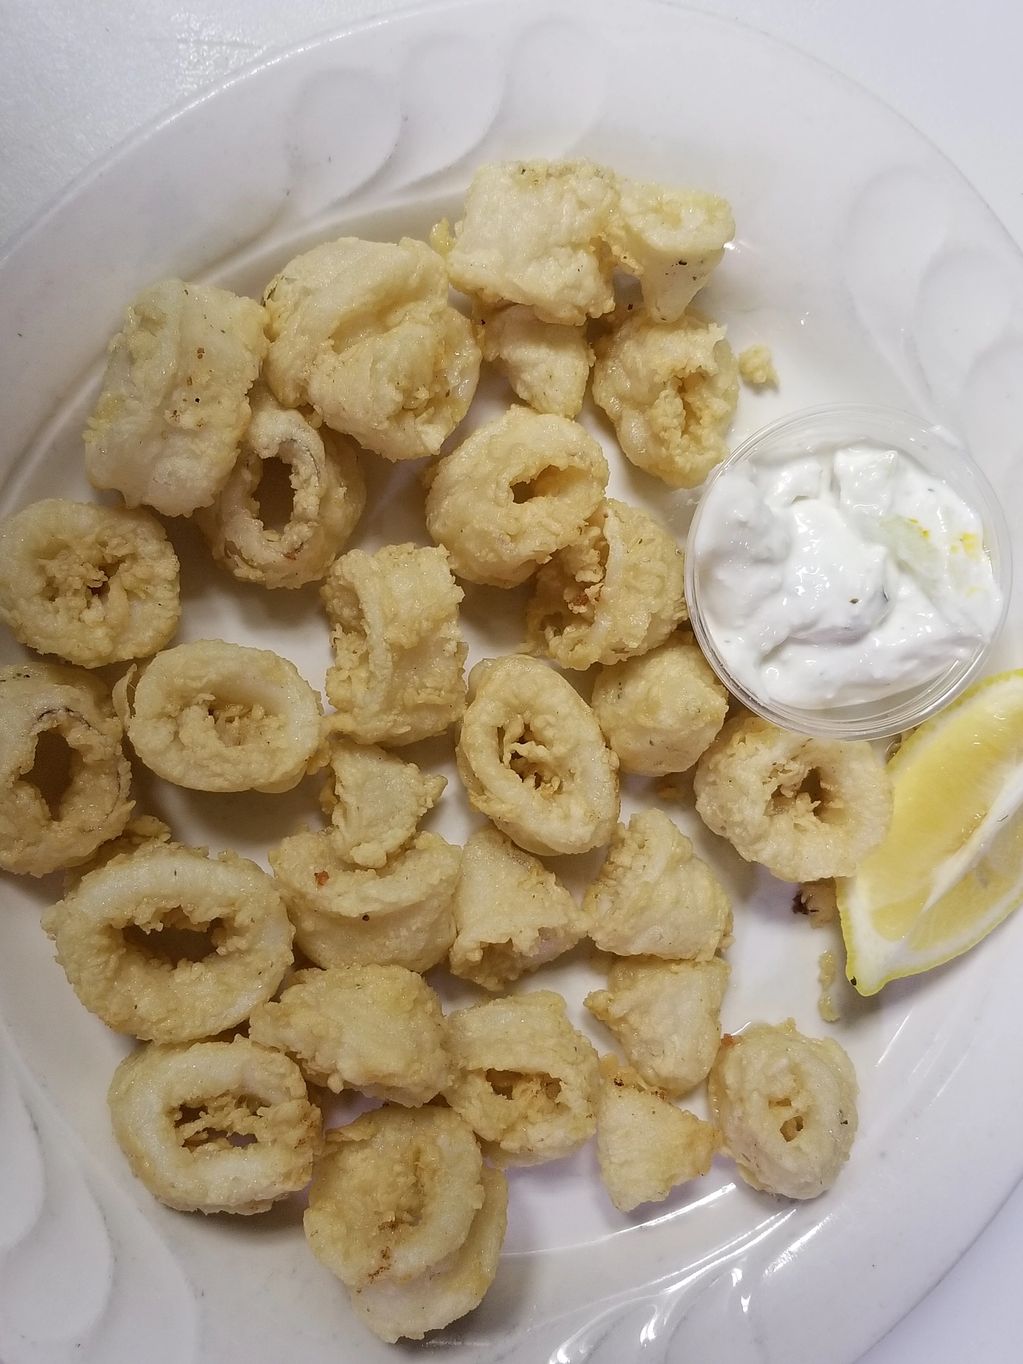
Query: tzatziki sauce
[841,576]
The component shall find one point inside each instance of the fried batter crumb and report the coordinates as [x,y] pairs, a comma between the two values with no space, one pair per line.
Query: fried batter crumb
[756,367]
[827,974]
[816,899]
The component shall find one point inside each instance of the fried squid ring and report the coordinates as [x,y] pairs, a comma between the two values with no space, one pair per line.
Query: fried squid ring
[452,1287]
[398,655]
[512,914]
[375,801]
[394,1194]
[326,496]
[666,1016]
[661,710]
[533,759]
[671,240]
[617,591]
[525,1079]
[174,405]
[645,1145]
[546,365]
[518,489]
[534,232]
[786,1105]
[215,1126]
[670,389]
[378,1029]
[399,915]
[64,779]
[138,833]
[91,584]
[170,945]
[364,333]
[806,809]
[653,897]
[214,716]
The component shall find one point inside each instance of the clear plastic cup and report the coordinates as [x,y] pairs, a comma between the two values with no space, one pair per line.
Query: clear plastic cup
[816,431]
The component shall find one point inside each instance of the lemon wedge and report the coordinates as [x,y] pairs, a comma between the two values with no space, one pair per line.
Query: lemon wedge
[951,866]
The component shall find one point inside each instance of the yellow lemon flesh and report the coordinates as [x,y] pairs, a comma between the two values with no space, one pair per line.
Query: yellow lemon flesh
[951,866]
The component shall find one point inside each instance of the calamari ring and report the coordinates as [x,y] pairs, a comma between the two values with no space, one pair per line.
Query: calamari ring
[395,1193]
[378,1029]
[512,914]
[518,489]
[665,1016]
[59,731]
[645,1145]
[91,584]
[533,760]
[215,1126]
[786,1106]
[364,333]
[533,232]
[547,365]
[397,915]
[653,897]
[806,809]
[670,239]
[616,592]
[670,389]
[328,495]
[214,716]
[525,1079]
[661,710]
[138,833]
[375,800]
[174,406]
[227,947]
[451,1288]
[398,654]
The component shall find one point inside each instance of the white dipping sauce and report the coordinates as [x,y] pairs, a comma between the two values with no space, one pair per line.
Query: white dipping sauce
[841,577]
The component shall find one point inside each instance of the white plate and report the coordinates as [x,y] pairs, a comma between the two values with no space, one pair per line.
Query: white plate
[877,275]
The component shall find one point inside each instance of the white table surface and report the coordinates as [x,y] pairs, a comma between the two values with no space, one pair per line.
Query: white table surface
[78,76]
